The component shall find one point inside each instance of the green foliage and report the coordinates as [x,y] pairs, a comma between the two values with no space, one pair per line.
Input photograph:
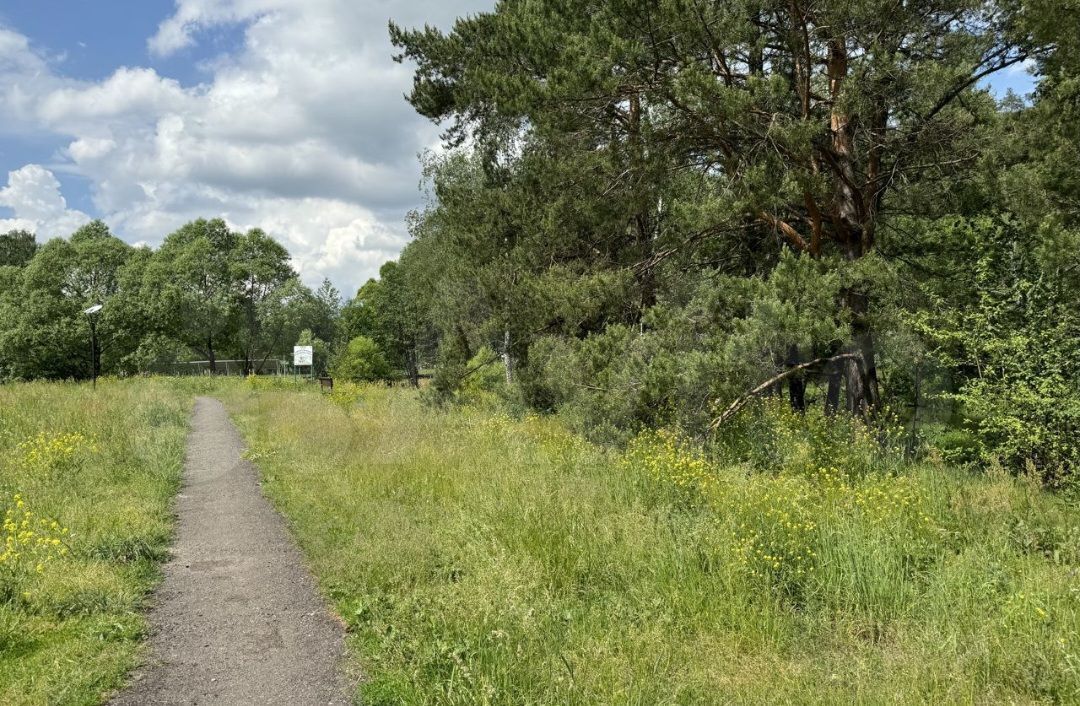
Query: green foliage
[218,292]
[485,379]
[46,333]
[390,310]
[648,228]
[17,248]
[326,310]
[1010,326]
[207,292]
[188,287]
[361,360]
[267,295]
[605,160]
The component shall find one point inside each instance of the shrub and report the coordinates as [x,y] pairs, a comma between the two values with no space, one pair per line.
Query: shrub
[1009,338]
[769,436]
[486,378]
[362,360]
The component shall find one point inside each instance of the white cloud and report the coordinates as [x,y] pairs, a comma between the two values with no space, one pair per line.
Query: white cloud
[33,195]
[191,16]
[1025,68]
[128,92]
[88,149]
[302,131]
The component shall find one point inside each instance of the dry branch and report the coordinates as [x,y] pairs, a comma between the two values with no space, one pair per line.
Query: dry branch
[742,401]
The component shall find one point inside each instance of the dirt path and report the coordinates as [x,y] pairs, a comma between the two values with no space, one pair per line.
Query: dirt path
[238,619]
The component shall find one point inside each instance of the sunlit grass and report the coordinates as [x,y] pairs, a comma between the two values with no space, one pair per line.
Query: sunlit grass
[479,558]
[86,482]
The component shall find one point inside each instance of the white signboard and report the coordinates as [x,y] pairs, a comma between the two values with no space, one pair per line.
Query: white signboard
[302,355]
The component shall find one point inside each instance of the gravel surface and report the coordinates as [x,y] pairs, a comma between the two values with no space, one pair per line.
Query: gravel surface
[238,618]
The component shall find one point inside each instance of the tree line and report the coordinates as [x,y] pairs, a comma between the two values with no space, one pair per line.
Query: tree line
[648,213]
[208,294]
[652,213]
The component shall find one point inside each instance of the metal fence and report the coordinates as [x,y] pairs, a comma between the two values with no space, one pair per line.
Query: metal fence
[228,367]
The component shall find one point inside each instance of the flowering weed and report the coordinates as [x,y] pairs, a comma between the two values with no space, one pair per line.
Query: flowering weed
[482,556]
[86,481]
[29,544]
[55,453]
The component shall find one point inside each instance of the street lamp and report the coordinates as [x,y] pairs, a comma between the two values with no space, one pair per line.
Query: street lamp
[91,316]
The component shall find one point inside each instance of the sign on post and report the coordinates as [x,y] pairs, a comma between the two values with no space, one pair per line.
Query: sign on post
[303,355]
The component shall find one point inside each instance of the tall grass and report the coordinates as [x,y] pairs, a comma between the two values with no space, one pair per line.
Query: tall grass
[482,559]
[86,481]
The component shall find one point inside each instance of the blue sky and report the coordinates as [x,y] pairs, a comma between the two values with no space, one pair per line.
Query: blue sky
[89,40]
[282,114]
[94,38]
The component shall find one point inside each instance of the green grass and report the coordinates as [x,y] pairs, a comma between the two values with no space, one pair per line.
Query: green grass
[478,558]
[482,559]
[103,464]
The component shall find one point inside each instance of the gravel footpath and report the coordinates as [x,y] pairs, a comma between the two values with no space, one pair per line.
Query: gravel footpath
[238,618]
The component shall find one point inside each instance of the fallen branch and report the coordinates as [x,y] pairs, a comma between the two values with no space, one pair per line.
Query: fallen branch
[594,388]
[742,401]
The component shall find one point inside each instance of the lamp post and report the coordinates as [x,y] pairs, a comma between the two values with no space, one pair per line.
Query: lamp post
[91,316]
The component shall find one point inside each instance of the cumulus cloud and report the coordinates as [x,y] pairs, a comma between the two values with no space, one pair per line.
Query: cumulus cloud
[33,195]
[25,77]
[179,30]
[302,131]
[128,92]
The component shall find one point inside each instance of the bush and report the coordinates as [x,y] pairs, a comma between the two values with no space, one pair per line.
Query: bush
[1010,340]
[486,379]
[362,360]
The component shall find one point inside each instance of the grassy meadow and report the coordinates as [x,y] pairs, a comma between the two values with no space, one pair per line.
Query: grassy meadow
[480,558]
[86,484]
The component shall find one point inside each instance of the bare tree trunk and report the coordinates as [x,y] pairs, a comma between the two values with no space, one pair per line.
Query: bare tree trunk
[507,359]
[463,341]
[796,383]
[210,355]
[757,55]
[777,388]
[642,223]
[912,435]
[771,383]
[412,366]
[863,397]
[834,376]
[855,231]
[853,387]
